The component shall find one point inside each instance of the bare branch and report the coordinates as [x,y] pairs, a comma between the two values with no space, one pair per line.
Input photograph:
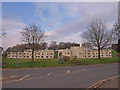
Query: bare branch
[32,34]
[98,34]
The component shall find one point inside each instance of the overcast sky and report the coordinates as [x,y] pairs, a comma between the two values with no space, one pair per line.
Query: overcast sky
[62,21]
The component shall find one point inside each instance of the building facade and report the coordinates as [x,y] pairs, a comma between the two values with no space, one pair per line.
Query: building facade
[40,54]
[82,52]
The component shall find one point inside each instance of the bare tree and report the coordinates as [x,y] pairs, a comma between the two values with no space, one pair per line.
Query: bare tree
[53,45]
[44,45]
[87,45]
[32,34]
[98,35]
[116,30]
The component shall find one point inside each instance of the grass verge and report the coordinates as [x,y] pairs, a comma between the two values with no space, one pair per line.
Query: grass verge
[26,63]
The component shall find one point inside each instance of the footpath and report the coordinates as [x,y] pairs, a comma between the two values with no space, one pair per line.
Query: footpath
[112,82]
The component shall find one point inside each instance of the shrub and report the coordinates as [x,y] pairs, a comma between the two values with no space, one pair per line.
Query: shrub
[74,58]
[65,58]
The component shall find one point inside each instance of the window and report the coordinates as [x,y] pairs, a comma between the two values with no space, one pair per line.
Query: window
[50,56]
[46,56]
[88,56]
[41,56]
[46,53]
[50,53]
[68,53]
[93,56]
[106,52]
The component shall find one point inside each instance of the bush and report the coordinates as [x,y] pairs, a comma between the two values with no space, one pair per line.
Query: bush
[74,58]
[65,58]
[3,63]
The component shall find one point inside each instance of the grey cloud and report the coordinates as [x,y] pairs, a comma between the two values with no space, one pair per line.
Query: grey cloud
[12,29]
[88,11]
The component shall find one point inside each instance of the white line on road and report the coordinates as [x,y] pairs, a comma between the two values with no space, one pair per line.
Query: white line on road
[68,71]
[24,77]
[48,74]
[84,69]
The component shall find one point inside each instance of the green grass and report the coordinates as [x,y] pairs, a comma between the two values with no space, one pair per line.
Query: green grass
[26,63]
[99,61]
[55,54]
[114,52]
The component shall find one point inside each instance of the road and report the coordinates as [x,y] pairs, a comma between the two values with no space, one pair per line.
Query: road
[60,77]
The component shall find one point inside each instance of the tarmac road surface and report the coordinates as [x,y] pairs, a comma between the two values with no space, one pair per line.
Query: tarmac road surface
[60,77]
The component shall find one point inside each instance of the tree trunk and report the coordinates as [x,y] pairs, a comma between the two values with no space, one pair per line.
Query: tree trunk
[33,49]
[32,55]
[98,53]
[118,46]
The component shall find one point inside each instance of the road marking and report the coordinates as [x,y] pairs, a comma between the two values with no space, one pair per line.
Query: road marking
[102,82]
[84,69]
[24,77]
[10,81]
[68,71]
[48,74]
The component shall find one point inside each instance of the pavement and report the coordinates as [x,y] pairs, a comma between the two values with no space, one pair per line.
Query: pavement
[111,84]
[60,77]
